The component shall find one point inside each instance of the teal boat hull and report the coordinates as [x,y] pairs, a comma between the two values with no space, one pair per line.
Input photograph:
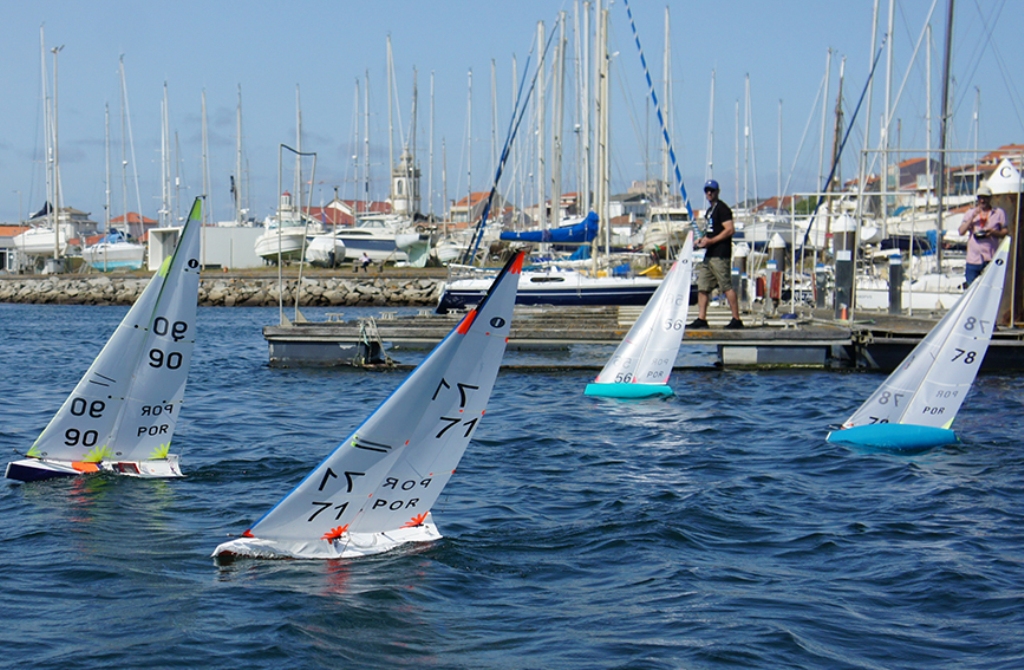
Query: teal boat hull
[894,436]
[628,390]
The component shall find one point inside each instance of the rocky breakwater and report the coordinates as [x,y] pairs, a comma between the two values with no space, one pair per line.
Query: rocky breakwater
[225,291]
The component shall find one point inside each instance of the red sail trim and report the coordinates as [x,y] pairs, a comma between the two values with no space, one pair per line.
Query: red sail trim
[463,327]
[517,266]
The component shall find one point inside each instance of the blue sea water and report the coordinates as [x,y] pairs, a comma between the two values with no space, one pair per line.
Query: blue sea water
[714,529]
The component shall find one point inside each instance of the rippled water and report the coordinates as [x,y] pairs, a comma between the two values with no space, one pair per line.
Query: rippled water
[713,529]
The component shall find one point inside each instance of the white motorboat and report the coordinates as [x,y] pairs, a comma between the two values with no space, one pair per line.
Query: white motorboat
[114,252]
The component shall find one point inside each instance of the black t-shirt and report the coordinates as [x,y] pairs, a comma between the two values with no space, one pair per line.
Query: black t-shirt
[714,217]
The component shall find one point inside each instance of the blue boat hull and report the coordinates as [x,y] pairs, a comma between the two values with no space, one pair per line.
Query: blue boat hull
[894,436]
[628,390]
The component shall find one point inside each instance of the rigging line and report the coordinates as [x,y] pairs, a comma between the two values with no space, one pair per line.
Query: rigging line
[661,120]
[803,137]
[974,61]
[846,136]
[1007,80]
[514,122]
[891,112]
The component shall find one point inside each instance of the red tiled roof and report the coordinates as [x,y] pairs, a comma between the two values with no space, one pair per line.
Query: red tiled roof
[133,217]
[11,231]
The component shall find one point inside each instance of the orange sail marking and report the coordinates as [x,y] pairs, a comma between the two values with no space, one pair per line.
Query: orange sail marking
[335,533]
[416,520]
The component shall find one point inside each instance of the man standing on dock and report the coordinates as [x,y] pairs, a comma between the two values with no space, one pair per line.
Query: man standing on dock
[987,225]
[716,268]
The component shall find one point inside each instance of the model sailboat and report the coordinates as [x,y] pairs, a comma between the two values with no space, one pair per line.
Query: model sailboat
[643,361]
[915,407]
[375,491]
[121,416]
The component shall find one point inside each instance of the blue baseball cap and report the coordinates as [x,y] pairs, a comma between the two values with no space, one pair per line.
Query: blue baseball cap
[711,183]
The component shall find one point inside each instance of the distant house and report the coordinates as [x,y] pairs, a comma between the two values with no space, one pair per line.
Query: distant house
[469,209]
[137,225]
[8,257]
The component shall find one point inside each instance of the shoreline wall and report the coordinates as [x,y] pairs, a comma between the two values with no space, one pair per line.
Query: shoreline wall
[227,292]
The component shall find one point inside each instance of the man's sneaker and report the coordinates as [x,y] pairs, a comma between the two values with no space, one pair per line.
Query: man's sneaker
[697,323]
[735,324]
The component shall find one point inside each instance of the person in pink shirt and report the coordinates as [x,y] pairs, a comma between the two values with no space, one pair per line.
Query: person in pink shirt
[986,225]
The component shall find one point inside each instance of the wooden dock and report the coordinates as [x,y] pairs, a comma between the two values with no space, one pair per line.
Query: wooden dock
[873,342]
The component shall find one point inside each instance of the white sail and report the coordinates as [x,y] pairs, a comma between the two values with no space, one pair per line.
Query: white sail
[648,352]
[931,384]
[126,406]
[376,489]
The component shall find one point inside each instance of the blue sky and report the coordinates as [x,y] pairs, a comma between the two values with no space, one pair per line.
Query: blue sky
[270,48]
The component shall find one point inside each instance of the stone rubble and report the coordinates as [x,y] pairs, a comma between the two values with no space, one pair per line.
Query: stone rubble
[227,292]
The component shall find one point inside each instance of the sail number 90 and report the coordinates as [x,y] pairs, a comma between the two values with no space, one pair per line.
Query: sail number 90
[158,358]
[162,326]
[79,407]
[72,436]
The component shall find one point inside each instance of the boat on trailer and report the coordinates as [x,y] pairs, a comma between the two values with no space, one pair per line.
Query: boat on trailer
[121,416]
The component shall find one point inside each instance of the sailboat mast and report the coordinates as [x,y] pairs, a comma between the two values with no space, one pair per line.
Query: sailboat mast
[469,149]
[391,124]
[541,176]
[943,120]
[366,144]
[47,134]
[666,105]
[206,184]
[558,123]
[824,118]
[585,105]
[165,167]
[710,170]
[106,172]
[430,171]
[238,158]
[56,160]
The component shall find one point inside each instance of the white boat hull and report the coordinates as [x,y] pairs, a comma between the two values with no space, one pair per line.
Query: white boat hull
[288,245]
[36,469]
[116,256]
[349,545]
[325,250]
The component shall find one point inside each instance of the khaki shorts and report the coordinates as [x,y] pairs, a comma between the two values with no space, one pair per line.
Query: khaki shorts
[714,272]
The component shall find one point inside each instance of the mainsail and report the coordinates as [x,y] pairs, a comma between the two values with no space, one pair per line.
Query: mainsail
[642,363]
[375,491]
[125,408]
[929,387]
